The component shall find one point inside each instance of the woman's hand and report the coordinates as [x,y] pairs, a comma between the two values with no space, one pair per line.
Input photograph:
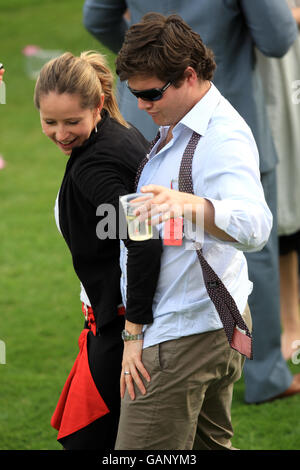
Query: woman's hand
[132,365]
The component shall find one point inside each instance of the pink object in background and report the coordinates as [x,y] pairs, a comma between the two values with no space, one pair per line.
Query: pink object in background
[2,163]
[30,50]
[35,57]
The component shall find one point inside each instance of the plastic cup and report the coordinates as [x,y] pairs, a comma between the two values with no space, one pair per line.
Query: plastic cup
[2,92]
[137,230]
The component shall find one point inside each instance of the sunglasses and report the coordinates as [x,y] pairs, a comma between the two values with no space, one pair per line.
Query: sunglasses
[153,94]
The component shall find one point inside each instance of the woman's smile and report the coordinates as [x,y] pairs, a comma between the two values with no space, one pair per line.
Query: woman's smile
[65,122]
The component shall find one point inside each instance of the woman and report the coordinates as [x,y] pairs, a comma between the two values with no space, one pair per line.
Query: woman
[79,114]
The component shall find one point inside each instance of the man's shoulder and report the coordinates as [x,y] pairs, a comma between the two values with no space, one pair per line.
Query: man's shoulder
[226,116]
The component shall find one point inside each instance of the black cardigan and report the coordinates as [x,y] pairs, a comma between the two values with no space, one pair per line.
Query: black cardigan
[98,172]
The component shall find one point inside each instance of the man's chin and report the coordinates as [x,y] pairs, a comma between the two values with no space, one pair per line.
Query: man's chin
[158,120]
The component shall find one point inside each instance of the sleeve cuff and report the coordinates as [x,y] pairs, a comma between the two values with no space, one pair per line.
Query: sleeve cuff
[222,213]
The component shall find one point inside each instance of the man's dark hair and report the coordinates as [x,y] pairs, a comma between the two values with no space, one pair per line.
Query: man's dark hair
[163,46]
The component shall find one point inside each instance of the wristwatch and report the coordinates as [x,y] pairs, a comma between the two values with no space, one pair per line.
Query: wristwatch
[129,337]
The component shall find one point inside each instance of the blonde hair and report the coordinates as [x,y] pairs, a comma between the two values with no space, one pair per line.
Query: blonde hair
[87,76]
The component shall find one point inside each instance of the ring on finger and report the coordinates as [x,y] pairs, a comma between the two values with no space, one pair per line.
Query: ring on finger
[127,373]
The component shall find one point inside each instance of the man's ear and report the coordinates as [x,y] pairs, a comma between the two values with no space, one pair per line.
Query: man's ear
[190,74]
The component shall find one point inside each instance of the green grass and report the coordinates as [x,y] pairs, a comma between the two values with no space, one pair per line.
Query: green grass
[268,426]
[39,293]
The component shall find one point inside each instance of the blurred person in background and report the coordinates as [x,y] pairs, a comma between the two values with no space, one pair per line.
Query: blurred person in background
[232,29]
[79,113]
[281,81]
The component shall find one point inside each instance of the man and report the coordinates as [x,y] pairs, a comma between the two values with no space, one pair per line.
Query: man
[179,372]
[232,29]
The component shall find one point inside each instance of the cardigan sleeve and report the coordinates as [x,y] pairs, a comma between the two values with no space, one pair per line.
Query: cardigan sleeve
[101,179]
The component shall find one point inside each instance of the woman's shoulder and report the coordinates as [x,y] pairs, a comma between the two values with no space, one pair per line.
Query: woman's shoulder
[114,146]
[130,137]
[118,143]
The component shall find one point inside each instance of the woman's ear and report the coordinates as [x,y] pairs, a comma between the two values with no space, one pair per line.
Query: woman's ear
[101,103]
[98,109]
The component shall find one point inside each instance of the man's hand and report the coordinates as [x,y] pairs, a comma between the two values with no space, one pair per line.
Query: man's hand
[167,203]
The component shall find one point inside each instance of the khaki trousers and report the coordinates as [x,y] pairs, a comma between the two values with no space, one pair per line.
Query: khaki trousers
[188,400]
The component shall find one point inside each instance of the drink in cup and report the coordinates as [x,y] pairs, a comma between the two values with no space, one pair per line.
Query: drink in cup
[137,230]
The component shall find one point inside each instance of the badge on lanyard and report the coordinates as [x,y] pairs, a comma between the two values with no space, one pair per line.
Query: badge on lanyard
[173,229]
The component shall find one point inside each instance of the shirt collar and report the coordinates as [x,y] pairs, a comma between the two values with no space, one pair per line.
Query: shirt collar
[199,116]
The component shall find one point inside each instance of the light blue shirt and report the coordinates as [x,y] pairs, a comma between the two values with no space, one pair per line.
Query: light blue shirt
[226,172]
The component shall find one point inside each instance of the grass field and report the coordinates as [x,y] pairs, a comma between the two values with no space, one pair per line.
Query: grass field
[40,317]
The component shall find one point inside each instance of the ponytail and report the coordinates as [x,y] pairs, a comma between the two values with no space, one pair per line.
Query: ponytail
[106,78]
